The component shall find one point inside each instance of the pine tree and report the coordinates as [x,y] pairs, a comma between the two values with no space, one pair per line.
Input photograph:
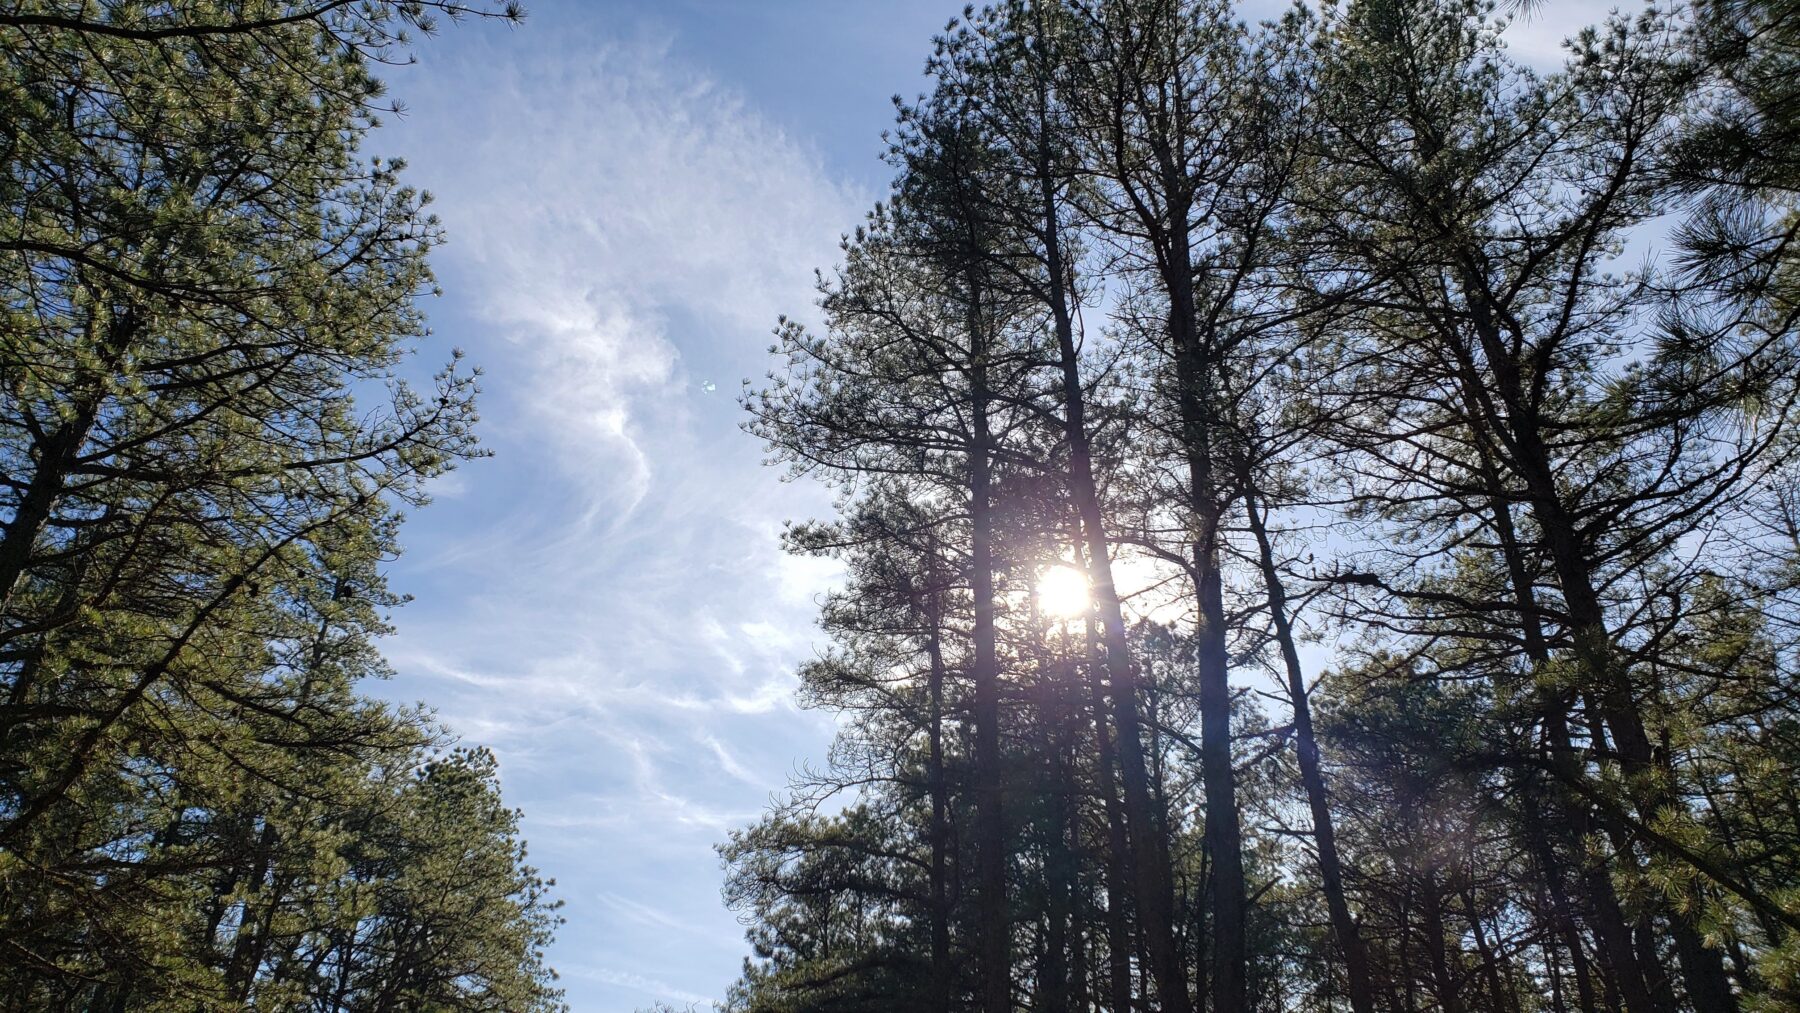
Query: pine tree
[204,280]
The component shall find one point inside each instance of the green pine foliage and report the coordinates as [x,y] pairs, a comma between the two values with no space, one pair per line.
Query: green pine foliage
[1329,350]
[207,291]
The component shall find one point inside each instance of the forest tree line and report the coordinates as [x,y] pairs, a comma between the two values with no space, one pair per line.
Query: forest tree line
[1422,426]
[206,292]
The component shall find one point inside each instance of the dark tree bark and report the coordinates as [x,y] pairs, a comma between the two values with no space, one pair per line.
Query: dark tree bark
[1312,778]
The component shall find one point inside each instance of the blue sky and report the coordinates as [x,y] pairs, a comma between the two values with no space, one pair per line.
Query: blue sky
[633,191]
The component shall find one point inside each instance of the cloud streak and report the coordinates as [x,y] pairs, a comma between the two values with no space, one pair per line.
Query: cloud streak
[604,603]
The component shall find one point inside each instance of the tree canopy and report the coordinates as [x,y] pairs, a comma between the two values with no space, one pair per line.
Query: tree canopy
[1422,426]
[205,453]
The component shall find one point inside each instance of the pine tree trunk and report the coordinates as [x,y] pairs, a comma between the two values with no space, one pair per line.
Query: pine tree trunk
[1053,981]
[1702,967]
[1149,861]
[941,972]
[1444,984]
[1500,1000]
[1331,876]
[56,460]
[1118,928]
[994,921]
[1222,836]
[1609,924]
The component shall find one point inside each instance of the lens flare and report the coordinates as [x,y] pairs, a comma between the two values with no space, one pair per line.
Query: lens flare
[1063,592]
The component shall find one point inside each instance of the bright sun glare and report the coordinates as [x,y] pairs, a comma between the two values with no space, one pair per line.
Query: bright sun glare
[1063,592]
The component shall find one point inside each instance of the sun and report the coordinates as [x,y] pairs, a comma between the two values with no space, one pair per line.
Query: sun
[1063,592]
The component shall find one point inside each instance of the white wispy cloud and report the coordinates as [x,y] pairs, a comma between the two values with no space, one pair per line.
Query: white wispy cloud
[610,191]
[605,602]
[639,983]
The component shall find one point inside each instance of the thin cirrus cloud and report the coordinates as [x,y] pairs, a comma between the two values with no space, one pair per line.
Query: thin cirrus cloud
[604,602]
